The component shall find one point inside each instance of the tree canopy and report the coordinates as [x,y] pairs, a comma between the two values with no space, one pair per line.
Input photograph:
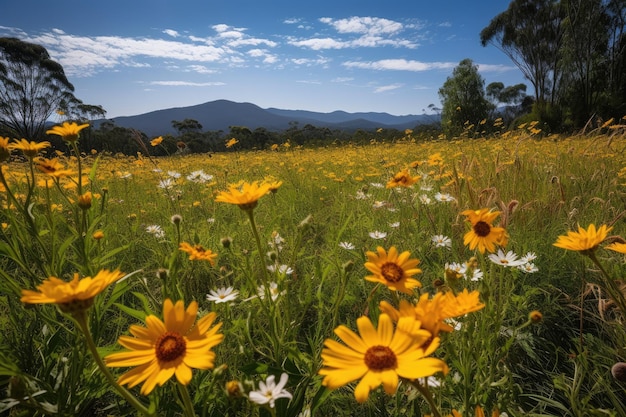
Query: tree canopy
[463,98]
[34,87]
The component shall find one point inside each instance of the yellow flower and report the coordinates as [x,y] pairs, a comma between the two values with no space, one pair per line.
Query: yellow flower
[52,167]
[402,179]
[432,312]
[231,142]
[535,316]
[166,348]
[74,296]
[273,185]
[198,253]
[583,240]
[246,195]
[98,234]
[5,151]
[156,141]
[483,235]
[69,132]
[617,247]
[378,356]
[29,149]
[84,200]
[393,270]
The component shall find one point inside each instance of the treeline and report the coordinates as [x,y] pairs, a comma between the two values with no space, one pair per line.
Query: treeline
[573,52]
[191,139]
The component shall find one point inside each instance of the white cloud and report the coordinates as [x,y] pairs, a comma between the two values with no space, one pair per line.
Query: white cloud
[319,43]
[186,83]
[171,32]
[390,87]
[364,25]
[400,65]
[291,21]
[342,79]
[201,69]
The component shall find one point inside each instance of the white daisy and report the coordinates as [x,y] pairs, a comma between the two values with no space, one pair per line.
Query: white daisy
[529,257]
[528,267]
[377,185]
[378,235]
[199,177]
[474,274]
[346,245]
[424,199]
[173,174]
[273,290]
[222,295]
[156,231]
[441,241]
[394,225]
[444,198]
[269,391]
[508,260]
[282,269]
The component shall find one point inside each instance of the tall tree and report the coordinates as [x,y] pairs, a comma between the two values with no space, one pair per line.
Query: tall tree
[463,98]
[584,53]
[33,87]
[529,32]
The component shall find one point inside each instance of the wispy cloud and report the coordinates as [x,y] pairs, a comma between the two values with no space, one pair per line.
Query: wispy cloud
[399,65]
[390,87]
[359,32]
[185,84]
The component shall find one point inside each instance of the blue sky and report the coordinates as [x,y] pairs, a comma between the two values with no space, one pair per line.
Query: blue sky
[137,56]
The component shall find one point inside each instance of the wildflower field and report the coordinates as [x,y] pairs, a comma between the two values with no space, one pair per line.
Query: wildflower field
[470,277]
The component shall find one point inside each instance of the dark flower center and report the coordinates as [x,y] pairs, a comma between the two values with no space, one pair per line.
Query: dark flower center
[379,358]
[482,228]
[170,346]
[391,272]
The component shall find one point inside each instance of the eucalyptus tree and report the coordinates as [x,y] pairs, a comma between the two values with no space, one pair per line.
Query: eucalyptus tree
[32,87]
[463,98]
[530,33]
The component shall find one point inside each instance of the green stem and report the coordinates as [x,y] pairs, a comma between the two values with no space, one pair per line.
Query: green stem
[81,319]
[188,404]
[427,396]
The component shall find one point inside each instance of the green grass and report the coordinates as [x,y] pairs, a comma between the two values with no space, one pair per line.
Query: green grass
[497,358]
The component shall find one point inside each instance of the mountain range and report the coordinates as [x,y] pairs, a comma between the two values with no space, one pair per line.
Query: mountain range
[221,114]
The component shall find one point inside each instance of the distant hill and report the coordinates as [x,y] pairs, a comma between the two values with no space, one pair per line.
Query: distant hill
[221,114]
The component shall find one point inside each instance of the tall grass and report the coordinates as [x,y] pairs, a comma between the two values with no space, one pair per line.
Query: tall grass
[314,233]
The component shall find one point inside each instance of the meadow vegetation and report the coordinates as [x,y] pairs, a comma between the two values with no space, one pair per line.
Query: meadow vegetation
[399,277]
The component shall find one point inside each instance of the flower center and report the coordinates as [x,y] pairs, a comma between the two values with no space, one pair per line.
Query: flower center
[170,346]
[379,358]
[482,228]
[391,272]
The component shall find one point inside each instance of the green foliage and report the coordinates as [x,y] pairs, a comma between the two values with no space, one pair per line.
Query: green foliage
[463,98]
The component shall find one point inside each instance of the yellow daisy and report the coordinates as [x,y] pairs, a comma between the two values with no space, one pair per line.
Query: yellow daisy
[198,253]
[245,195]
[393,270]
[432,312]
[583,240]
[69,132]
[166,348]
[617,247]
[378,356]
[74,296]
[156,141]
[402,179]
[5,151]
[483,235]
[29,149]
[52,167]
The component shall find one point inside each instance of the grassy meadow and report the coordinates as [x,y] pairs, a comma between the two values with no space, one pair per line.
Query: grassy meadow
[540,337]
